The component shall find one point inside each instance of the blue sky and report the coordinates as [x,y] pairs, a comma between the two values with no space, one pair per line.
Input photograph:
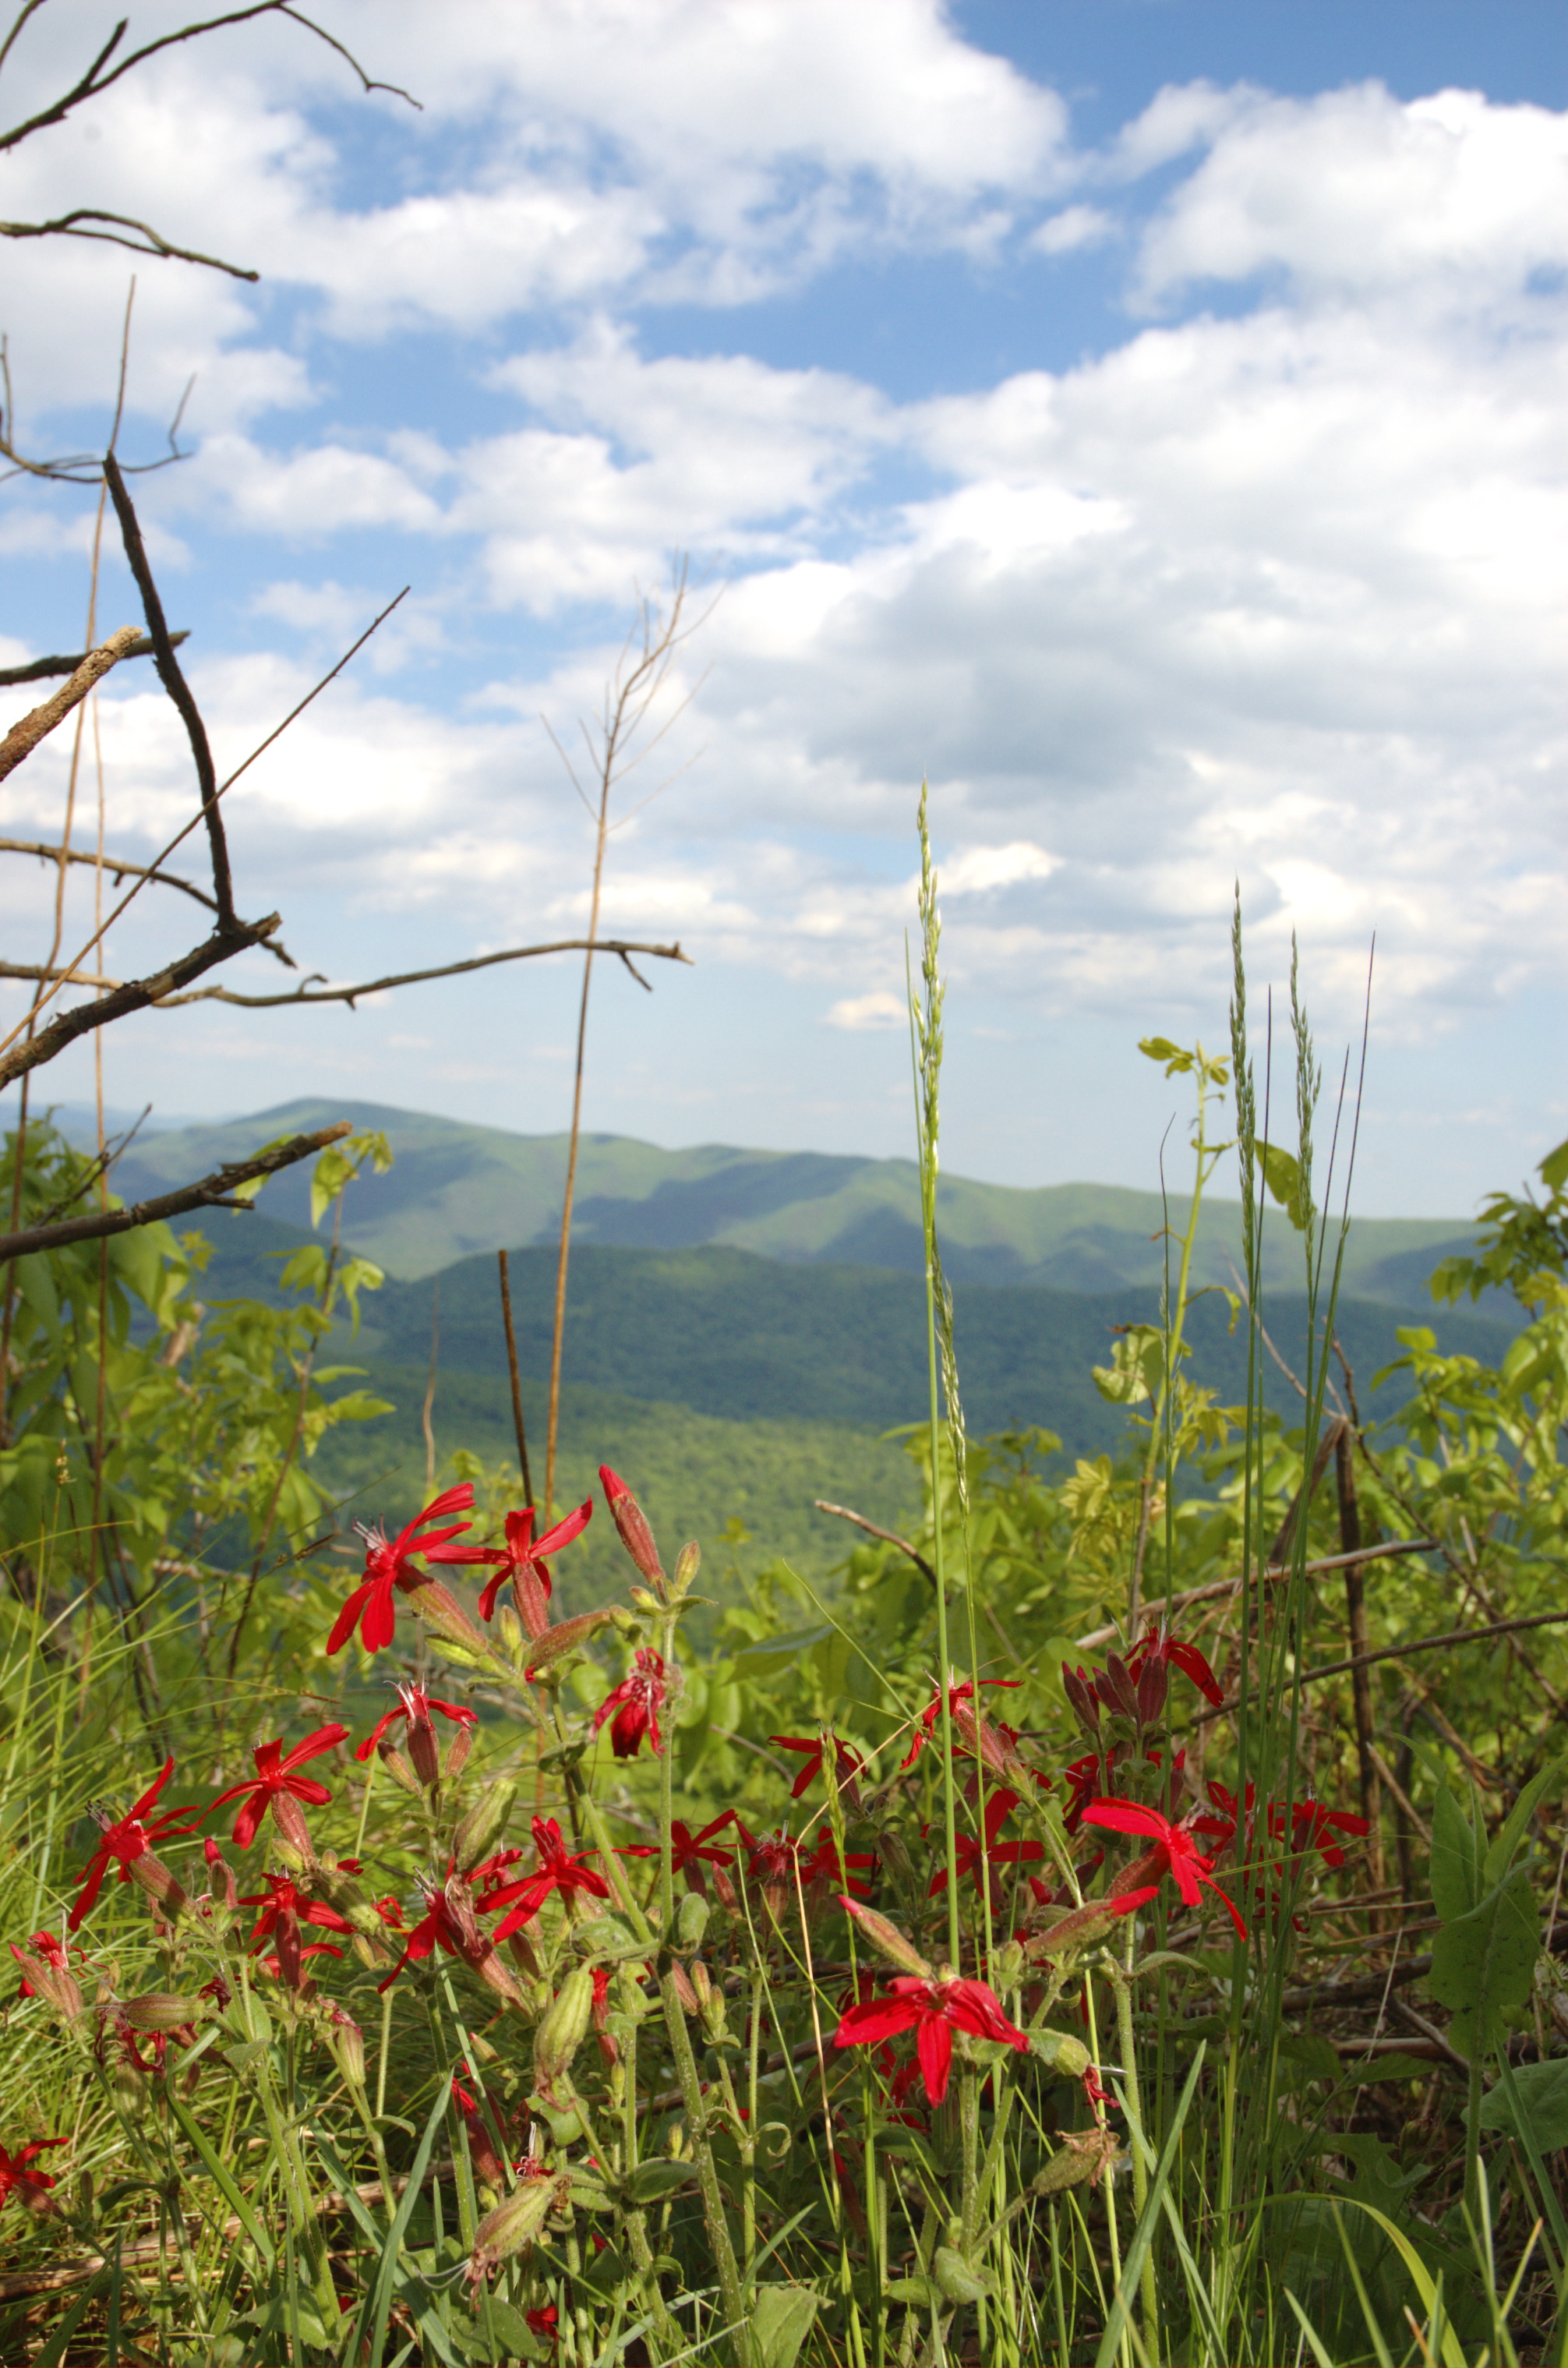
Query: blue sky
[1142,417]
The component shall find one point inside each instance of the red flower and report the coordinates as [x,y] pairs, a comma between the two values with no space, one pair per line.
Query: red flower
[1083,1780]
[543,2321]
[934,2010]
[52,1950]
[1095,2095]
[129,1839]
[558,1871]
[482,2148]
[1174,1852]
[636,1702]
[276,1785]
[688,1849]
[971,1733]
[1222,1828]
[16,2178]
[1313,1826]
[415,1707]
[826,1865]
[387,1566]
[973,1855]
[282,1899]
[847,1765]
[522,1562]
[1157,1650]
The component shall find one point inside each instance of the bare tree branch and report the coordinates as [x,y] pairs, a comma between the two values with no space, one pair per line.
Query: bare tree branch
[306,994]
[23,737]
[151,242]
[135,995]
[175,683]
[122,869]
[212,1191]
[262,929]
[42,669]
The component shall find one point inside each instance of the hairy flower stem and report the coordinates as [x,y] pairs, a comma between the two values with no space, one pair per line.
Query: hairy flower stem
[706,2170]
[1129,2045]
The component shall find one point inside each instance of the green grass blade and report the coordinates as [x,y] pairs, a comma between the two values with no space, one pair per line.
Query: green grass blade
[1143,2235]
[224,2180]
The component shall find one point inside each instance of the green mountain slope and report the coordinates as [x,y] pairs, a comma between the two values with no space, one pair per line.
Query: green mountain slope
[456,1189]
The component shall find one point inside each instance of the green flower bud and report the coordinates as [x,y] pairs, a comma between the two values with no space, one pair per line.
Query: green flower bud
[162,2011]
[481,1827]
[563,2030]
[514,2223]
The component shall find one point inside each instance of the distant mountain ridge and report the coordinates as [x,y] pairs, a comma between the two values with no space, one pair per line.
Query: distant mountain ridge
[456,1190]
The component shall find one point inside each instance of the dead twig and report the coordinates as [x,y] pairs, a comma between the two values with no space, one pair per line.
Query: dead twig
[41,669]
[1165,1605]
[24,737]
[888,1537]
[308,993]
[175,683]
[122,869]
[135,995]
[214,1191]
[517,1386]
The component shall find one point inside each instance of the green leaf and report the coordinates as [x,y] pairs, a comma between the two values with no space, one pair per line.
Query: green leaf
[1282,1174]
[652,2181]
[1555,1168]
[782,2319]
[1421,2276]
[1500,1857]
[1542,2093]
[771,1652]
[1456,1859]
[1483,1963]
[512,2332]
[919,2291]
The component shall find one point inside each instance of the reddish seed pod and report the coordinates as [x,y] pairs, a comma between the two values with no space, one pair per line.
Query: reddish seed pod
[1076,1686]
[1154,1684]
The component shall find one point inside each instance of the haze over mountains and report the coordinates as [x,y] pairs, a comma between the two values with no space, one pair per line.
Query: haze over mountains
[742,1326]
[456,1189]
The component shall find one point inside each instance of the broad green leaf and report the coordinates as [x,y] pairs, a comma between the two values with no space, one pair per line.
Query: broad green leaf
[1500,1857]
[1483,1963]
[782,2319]
[1542,2093]
[1555,1168]
[1456,1859]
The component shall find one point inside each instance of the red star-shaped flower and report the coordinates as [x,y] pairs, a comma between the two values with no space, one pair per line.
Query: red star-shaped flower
[387,1566]
[558,1871]
[974,1855]
[277,1785]
[1174,1851]
[126,1839]
[934,2010]
[521,1560]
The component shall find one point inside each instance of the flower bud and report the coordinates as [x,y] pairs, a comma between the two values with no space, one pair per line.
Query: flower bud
[887,1939]
[397,1767]
[514,2223]
[219,1869]
[1062,2052]
[162,2011]
[458,1750]
[1076,1685]
[1084,2157]
[562,1639]
[162,1887]
[132,2088]
[1154,1684]
[563,2030]
[346,2041]
[481,1827]
[57,1984]
[688,1563]
[424,1751]
[1115,1687]
[636,1535]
